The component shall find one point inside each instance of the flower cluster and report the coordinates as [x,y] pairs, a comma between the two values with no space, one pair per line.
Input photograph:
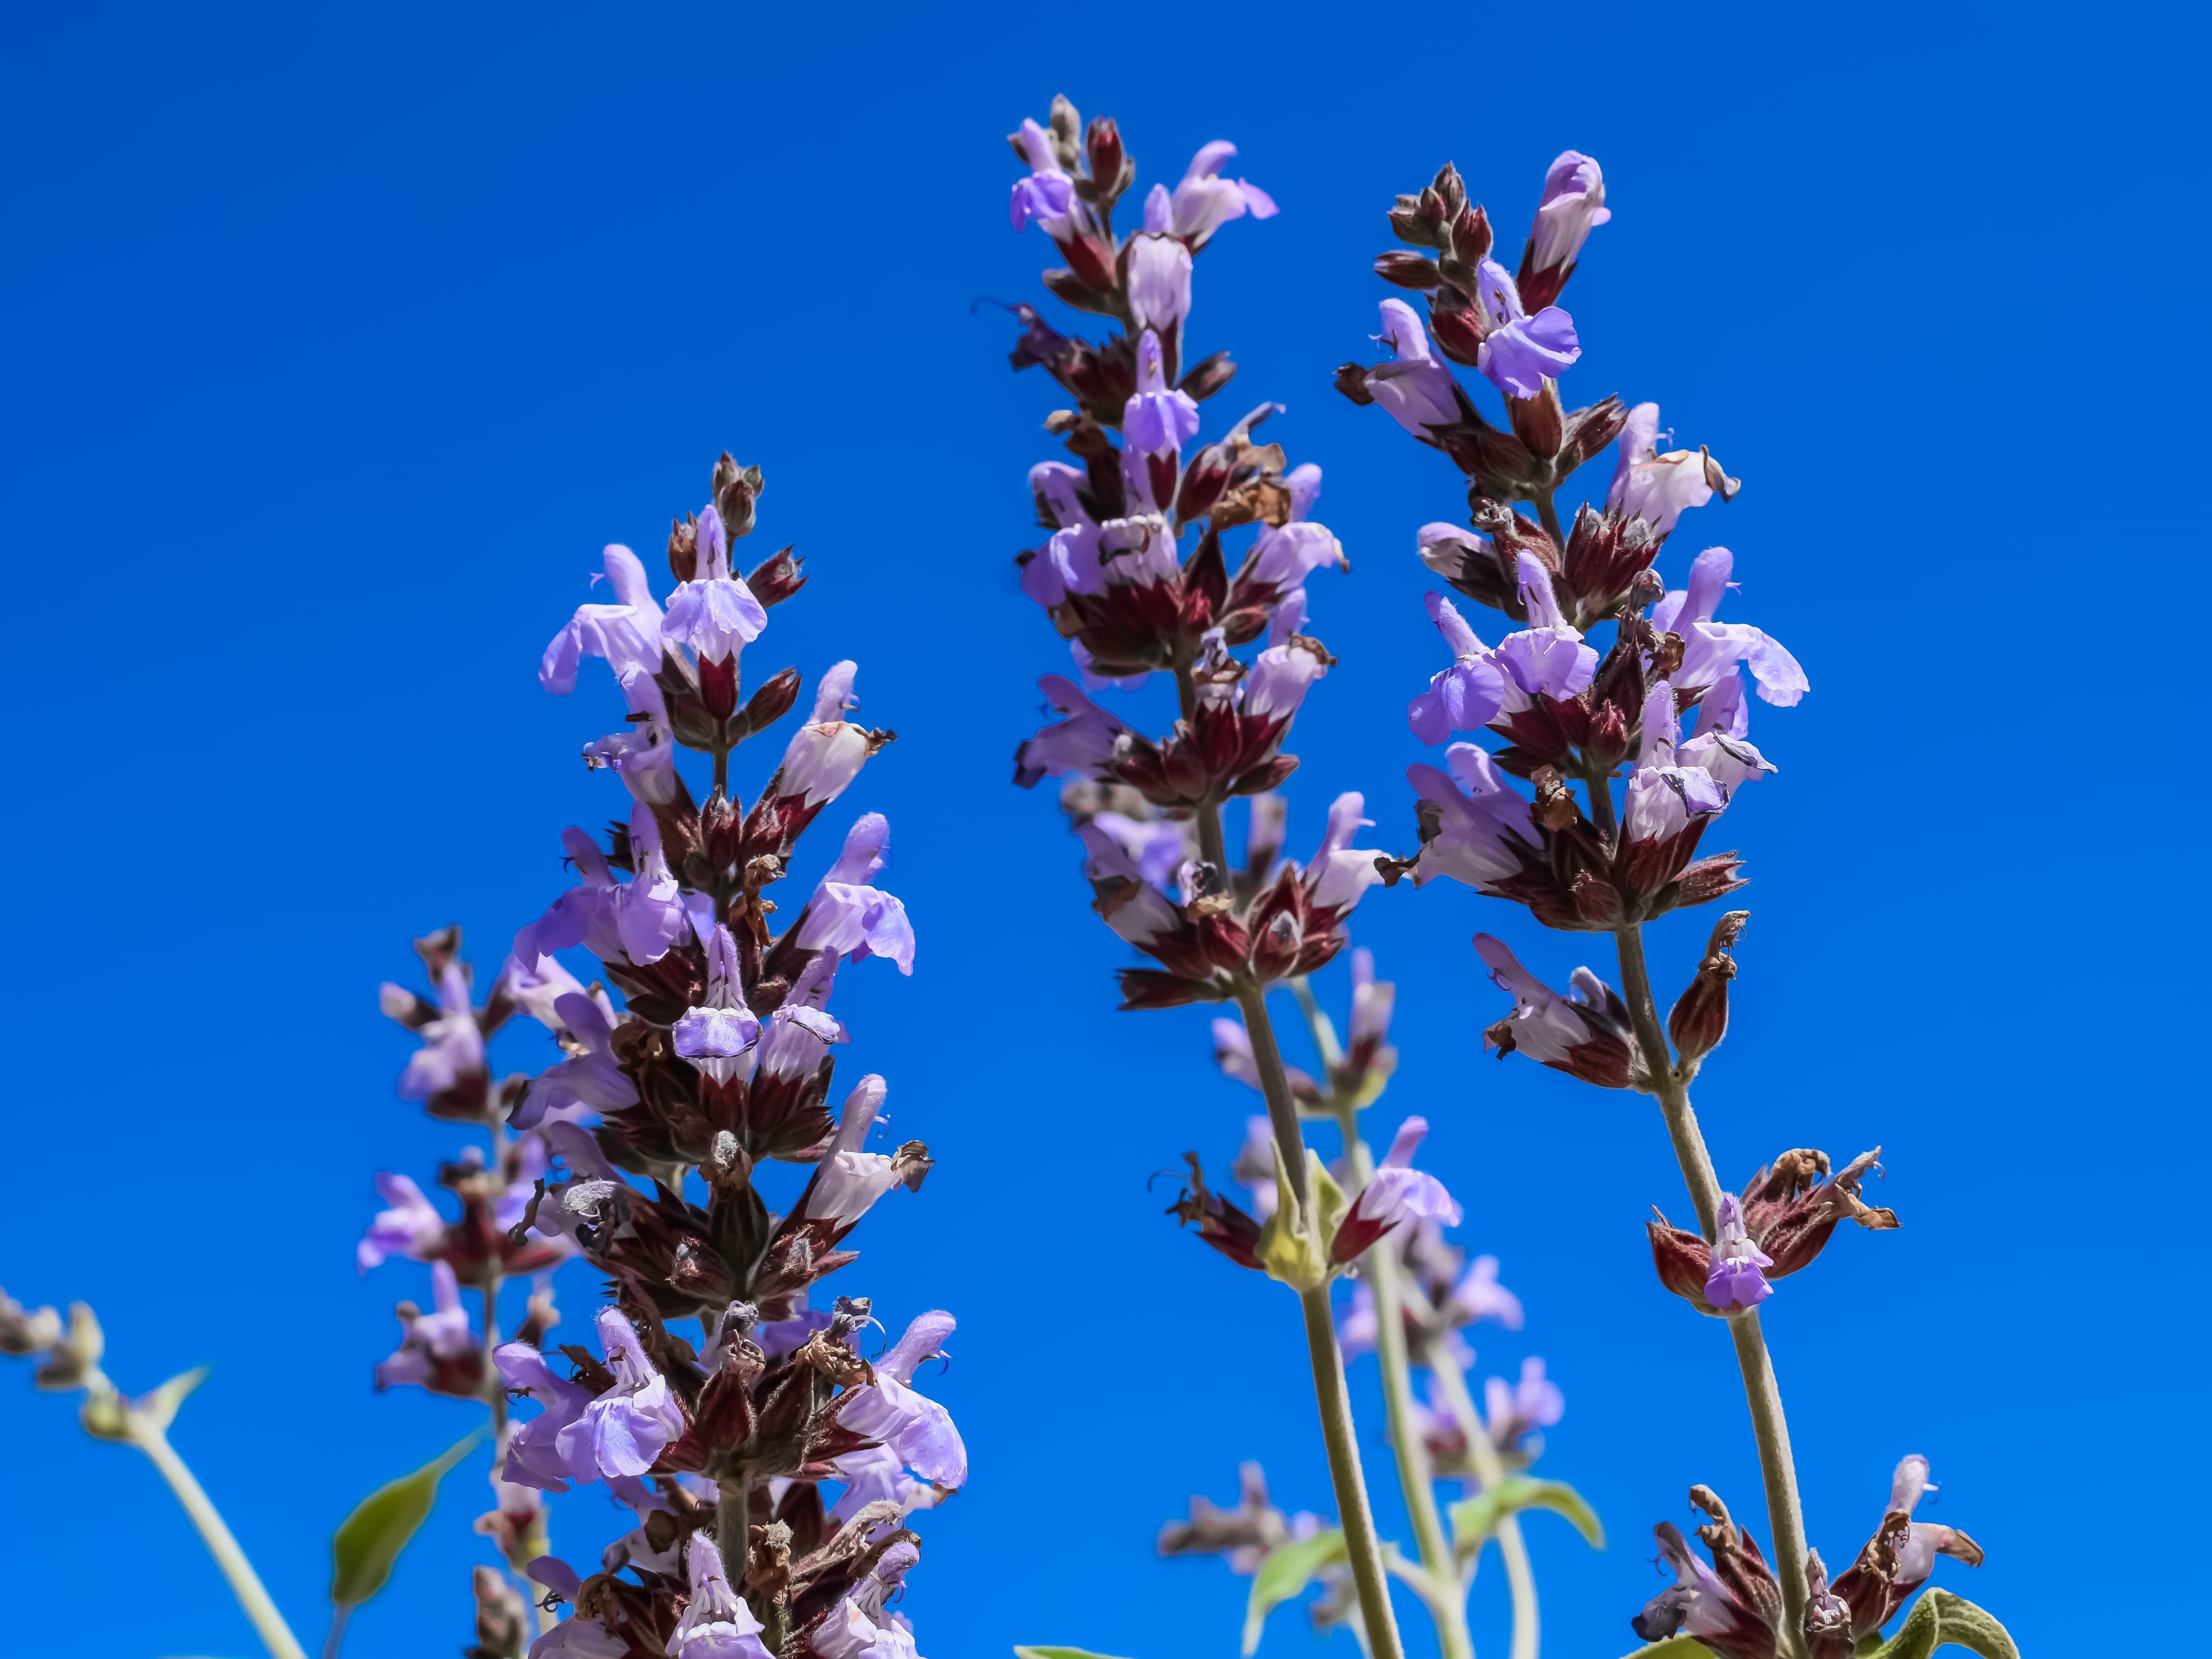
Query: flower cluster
[770,1464]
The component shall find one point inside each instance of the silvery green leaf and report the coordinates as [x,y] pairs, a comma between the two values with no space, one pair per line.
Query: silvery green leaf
[1476,1518]
[370,1539]
[1284,1574]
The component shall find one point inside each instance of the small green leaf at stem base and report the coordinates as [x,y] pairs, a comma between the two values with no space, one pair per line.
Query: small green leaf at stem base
[1675,1647]
[1284,1574]
[1938,1618]
[370,1539]
[1476,1518]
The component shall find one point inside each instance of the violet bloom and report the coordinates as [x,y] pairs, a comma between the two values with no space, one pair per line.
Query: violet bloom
[536,988]
[1138,911]
[648,910]
[623,1430]
[1372,1001]
[1158,846]
[1923,1540]
[848,1180]
[1068,563]
[1280,677]
[1572,203]
[1479,1296]
[715,1035]
[643,753]
[847,914]
[1339,873]
[1514,1409]
[849,1633]
[1735,1282]
[1519,352]
[1720,749]
[434,1341]
[1547,658]
[827,753]
[716,1622]
[590,1080]
[714,613]
[583,916]
[581,1201]
[917,1430]
[1081,745]
[1158,283]
[627,633]
[1357,1326]
[1417,391]
[797,1035]
[1138,551]
[1710,648]
[1465,696]
[1664,797]
[1584,1035]
[412,1227]
[1395,1193]
[1046,197]
[534,1456]
[1481,835]
[574,1638]
[1205,201]
[453,1046]
[1655,488]
[1158,419]
[1699,1604]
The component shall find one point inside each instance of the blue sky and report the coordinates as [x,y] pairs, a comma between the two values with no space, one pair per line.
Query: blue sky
[339,342]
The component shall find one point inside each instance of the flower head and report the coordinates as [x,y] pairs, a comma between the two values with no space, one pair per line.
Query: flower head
[1205,201]
[1520,352]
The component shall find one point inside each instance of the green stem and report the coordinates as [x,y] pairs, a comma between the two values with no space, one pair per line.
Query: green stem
[1512,1547]
[733,1526]
[1550,516]
[1448,1602]
[1784,1515]
[244,1583]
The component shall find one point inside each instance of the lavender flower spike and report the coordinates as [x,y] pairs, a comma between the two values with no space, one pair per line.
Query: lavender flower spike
[1158,417]
[716,1622]
[1396,1192]
[714,613]
[1519,352]
[1417,390]
[1461,698]
[1205,201]
[847,914]
[1735,1282]
[1046,197]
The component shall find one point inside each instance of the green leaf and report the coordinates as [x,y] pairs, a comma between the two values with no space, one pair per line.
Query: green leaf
[161,1405]
[1284,1574]
[370,1539]
[1055,1653]
[1938,1617]
[1477,1517]
[1675,1647]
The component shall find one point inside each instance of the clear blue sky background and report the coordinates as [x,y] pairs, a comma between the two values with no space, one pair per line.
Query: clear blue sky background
[338,341]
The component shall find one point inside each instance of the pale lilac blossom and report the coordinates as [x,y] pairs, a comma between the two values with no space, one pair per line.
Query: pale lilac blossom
[1158,282]
[1735,1282]
[1205,201]
[627,633]
[827,753]
[1548,658]
[1648,485]
[715,1035]
[452,1045]
[443,1335]
[590,1080]
[1513,1409]
[643,753]
[1481,834]
[1339,873]
[1080,745]
[848,916]
[1465,696]
[1158,419]
[917,1430]
[848,1180]
[1519,352]
[1573,202]
[1664,797]
[1418,392]
[1046,197]
[714,613]
[716,1622]
[412,1228]
[1142,912]
[1710,648]
[1479,1296]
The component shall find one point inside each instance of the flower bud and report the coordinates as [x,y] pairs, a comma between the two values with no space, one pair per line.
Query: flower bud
[736,489]
[1407,270]
[683,548]
[776,578]
[1102,146]
[1207,376]
[1700,1020]
[771,700]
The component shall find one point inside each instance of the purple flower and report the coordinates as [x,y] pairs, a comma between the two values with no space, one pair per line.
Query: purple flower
[1396,1192]
[1710,648]
[1655,488]
[848,1181]
[452,1045]
[714,613]
[847,915]
[1140,912]
[1046,197]
[1663,797]
[534,1456]
[1158,283]
[1080,745]
[648,912]
[1514,1409]
[1417,391]
[1480,836]
[627,634]
[1546,659]
[1585,1035]
[622,1432]
[1372,1000]
[1465,696]
[573,1637]
[1479,1296]
[1205,201]
[438,1350]
[1068,563]
[535,990]
[1280,677]
[715,1035]
[643,753]
[1735,1282]
[1573,202]
[1520,352]
[1339,873]
[716,1622]
[1285,554]
[827,753]
[412,1227]
[581,1201]
[849,1633]
[590,1080]
[917,1430]
[1158,419]
[1158,846]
